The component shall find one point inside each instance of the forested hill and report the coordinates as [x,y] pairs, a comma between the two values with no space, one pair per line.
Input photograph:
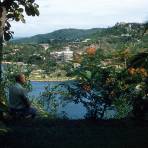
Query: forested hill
[120,33]
[60,35]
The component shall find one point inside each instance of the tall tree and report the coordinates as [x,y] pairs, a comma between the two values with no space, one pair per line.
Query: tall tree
[13,10]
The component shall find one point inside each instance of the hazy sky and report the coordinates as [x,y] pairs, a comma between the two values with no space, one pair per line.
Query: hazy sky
[83,14]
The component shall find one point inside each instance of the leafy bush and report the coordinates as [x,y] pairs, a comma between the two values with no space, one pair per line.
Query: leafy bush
[91,86]
[98,87]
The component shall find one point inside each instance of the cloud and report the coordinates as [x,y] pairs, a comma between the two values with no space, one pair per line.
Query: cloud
[57,14]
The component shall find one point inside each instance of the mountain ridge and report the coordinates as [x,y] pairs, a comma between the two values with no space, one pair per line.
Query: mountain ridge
[122,31]
[68,34]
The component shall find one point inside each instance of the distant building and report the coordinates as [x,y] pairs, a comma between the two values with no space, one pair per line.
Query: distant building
[58,56]
[125,35]
[16,49]
[45,46]
[86,40]
[68,54]
[121,24]
[62,56]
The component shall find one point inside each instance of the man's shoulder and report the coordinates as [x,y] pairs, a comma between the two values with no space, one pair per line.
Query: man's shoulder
[15,86]
[18,85]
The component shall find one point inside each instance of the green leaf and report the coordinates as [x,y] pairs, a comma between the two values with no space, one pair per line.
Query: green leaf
[7,36]
[31,1]
[37,12]
[28,11]
[10,15]
[21,10]
[88,74]
[15,5]
[8,24]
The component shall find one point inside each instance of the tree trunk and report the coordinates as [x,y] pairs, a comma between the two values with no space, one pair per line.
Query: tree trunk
[3,13]
[1,56]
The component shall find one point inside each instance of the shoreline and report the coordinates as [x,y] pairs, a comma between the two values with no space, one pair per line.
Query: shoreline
[50,80]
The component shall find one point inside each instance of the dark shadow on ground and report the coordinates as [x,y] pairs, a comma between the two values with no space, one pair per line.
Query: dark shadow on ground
[47,133]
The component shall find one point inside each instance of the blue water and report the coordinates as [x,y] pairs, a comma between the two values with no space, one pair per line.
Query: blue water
[71,110]
[38,88]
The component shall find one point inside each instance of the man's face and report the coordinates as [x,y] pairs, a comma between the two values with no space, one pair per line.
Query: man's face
[22,79]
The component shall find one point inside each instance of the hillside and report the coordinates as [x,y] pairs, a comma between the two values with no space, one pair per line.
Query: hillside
[64,35]
[118,37]
[110,38]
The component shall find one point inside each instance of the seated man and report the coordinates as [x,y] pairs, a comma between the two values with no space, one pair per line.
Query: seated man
[18,99]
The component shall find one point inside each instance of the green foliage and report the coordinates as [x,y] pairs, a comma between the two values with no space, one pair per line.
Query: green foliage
[49,102]
[31,54]
[91,87]
[40,108]
[15,11]
[139,60]
[99,87]
[123,107]
[53,98]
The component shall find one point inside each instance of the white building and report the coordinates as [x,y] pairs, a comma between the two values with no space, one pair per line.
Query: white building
[86,40]
[68,54]
[62,56]
[45,46]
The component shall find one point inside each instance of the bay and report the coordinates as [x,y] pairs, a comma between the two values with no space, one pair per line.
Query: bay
[71,110]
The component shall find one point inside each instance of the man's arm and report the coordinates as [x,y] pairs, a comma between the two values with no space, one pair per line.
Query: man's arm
[25,98]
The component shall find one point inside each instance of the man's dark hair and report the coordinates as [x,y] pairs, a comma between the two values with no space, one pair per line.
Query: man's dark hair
[17,77]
